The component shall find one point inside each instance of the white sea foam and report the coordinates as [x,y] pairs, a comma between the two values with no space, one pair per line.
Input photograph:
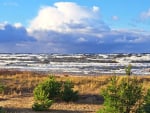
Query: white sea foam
[77,63]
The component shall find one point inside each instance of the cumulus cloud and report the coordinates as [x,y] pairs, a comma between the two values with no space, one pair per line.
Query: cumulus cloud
[69,27]
[67,17]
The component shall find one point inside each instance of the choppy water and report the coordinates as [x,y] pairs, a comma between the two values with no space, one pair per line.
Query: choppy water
[77,63]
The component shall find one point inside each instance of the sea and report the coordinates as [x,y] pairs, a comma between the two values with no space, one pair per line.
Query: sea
[77,64]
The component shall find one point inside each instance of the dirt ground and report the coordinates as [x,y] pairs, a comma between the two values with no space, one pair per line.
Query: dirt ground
[23,104]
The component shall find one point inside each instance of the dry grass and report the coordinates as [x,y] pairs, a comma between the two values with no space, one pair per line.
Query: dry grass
[18,97]
[24,82]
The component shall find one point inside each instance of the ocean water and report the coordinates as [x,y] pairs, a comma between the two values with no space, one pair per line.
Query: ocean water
[86,64]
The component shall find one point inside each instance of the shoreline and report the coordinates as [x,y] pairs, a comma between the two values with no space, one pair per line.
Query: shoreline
[46,73]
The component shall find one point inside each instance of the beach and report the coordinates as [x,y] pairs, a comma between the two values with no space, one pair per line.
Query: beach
[18,96]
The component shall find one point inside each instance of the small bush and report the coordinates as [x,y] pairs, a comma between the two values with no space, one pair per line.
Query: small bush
[1,88]
[42,102]
[2,110]
[45,93]
[68,94]
[51,87]
[111,97]
[122,96]
[146,104]
[50,90]
[128,70]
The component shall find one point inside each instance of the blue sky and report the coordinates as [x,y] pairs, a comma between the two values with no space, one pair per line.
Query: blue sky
[74,26]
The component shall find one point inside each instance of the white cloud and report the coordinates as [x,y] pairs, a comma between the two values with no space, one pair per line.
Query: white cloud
[95,9]
[115,18]
[67,17]
[2,25]
[18,25]
[71,28]
[145,15]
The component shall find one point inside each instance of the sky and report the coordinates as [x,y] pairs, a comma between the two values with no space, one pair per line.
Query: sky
[75,26]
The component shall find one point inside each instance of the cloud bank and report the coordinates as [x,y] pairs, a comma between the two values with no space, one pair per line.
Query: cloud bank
[11,36]
[16,33]
[67,27]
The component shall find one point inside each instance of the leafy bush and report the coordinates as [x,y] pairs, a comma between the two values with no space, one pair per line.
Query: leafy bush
[68,94]
[121,96]
[130,94]
[145,108]
[1,88]
[48,91]
[2,110]
[147,102]
[42,102]
[111,96]
[45,93]
[51,88]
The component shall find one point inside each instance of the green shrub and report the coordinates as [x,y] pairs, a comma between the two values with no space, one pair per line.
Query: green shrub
[42,102]
[130,94]
[122,96]
[128,70]
[68,94]
[45,93]
[50,90]
[1,88]
[2,110]
[51,87]
[111,96]
[146,104]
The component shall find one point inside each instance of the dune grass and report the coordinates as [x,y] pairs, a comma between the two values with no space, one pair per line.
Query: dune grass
[18,94]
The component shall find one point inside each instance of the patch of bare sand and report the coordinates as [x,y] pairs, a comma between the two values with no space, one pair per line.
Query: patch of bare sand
[22,104]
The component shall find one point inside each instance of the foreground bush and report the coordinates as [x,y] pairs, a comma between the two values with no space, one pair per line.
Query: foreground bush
[50,90]
[42,103]
[121,96]
[51,87]
[68,94]
[45,93]
[145,108]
